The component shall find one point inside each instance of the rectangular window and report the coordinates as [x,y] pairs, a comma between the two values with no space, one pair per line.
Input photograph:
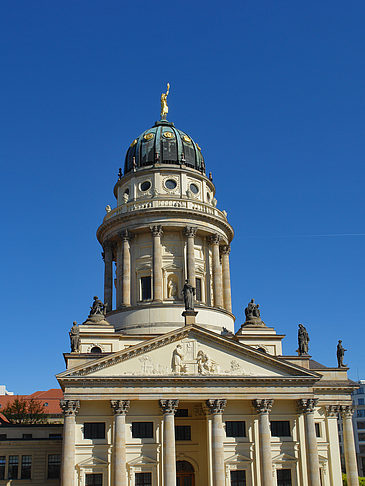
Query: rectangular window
[362,437]
[143,479]
[13,467]
[26,469]
[283,477]
[360,425]
[94,480]
[94,430]
[182,412]
[2,436]
[27,436]
[238,478]
[142,430]
[55,436]
[182,432]
[198,289]
[280,428]
[360,401]
[361,413]
[146,291]
[54,466]
[235,429]
[2,467]
[318,429]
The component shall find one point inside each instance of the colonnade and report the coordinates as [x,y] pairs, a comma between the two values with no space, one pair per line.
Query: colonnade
[220,268]
[215,408]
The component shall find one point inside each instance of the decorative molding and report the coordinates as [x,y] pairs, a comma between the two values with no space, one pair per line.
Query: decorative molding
[169,407]
[126,235]
[347,411]
[307,405]
[216,406]
[70,407]
[156,230]
[263,405]
[190,231]
[120,407]
[332,410]
[225,249]
[214,239]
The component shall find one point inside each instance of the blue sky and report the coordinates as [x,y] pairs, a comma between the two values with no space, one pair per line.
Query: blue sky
[273,92]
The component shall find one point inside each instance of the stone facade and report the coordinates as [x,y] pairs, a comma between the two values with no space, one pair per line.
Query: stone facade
[155,396]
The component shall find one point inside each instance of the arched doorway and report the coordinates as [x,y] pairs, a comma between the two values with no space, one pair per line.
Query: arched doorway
[184,474]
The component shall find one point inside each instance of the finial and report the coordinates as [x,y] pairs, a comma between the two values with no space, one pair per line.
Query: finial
[210,176]
[164,107]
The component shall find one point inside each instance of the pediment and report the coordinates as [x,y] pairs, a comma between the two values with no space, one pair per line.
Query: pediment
[92,461]
[189,352]
[236,458]
[283,457]
[141,460]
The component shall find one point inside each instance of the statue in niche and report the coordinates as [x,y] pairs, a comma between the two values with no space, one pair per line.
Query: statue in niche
[340,354]
[252,313]
[172,291]
[188,291]
[98,308]
[75,338]
[125,197]
[205,364]
[177,360]
[303,340]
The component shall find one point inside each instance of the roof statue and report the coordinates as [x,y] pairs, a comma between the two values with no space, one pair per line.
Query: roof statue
[164,107]
[253,317]
[340,354]
[97,313]
[303,340]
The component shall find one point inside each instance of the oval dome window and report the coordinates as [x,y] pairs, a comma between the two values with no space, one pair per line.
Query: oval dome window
[194,188]
[170,184]
[145,185]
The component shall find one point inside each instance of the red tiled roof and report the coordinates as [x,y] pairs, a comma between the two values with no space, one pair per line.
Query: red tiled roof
[51,397]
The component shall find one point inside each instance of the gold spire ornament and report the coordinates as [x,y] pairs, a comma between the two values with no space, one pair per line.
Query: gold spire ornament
[164,107]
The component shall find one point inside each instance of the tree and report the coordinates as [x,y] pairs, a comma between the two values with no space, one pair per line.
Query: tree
[25,411]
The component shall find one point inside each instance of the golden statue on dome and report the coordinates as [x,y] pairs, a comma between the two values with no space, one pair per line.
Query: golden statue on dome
[164,107]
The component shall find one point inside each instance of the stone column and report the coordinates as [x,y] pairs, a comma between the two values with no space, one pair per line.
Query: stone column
[216,408]
[157,263]
[120,408]
[190,233]
[225,250]
[168,408]
[119,275]
[126,279]
[263,407]
[217,272]
[332,412]
[108,275]
[349,445]
[307,406]
[70,409]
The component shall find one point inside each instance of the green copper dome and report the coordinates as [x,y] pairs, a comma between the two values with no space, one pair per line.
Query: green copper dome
[163,144]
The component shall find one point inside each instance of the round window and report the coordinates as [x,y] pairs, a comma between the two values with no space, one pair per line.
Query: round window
[170,184]
[145,185]
[194,188]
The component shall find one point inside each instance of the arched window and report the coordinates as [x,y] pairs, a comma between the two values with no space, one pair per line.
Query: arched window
[184,466]
[95,350]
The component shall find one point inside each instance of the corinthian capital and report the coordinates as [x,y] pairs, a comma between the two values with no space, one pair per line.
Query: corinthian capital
[307,405]
[214,239]
[169,406]
[190,231]
[125,235]
[263,405]
[156,230]
[120,407]
[225,249]
[332,410]
[216,406]
[70,407]
[347,410]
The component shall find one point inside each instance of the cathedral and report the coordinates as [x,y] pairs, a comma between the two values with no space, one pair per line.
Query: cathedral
[159,389]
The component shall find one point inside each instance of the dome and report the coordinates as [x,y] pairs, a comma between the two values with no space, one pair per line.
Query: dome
[163,144]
